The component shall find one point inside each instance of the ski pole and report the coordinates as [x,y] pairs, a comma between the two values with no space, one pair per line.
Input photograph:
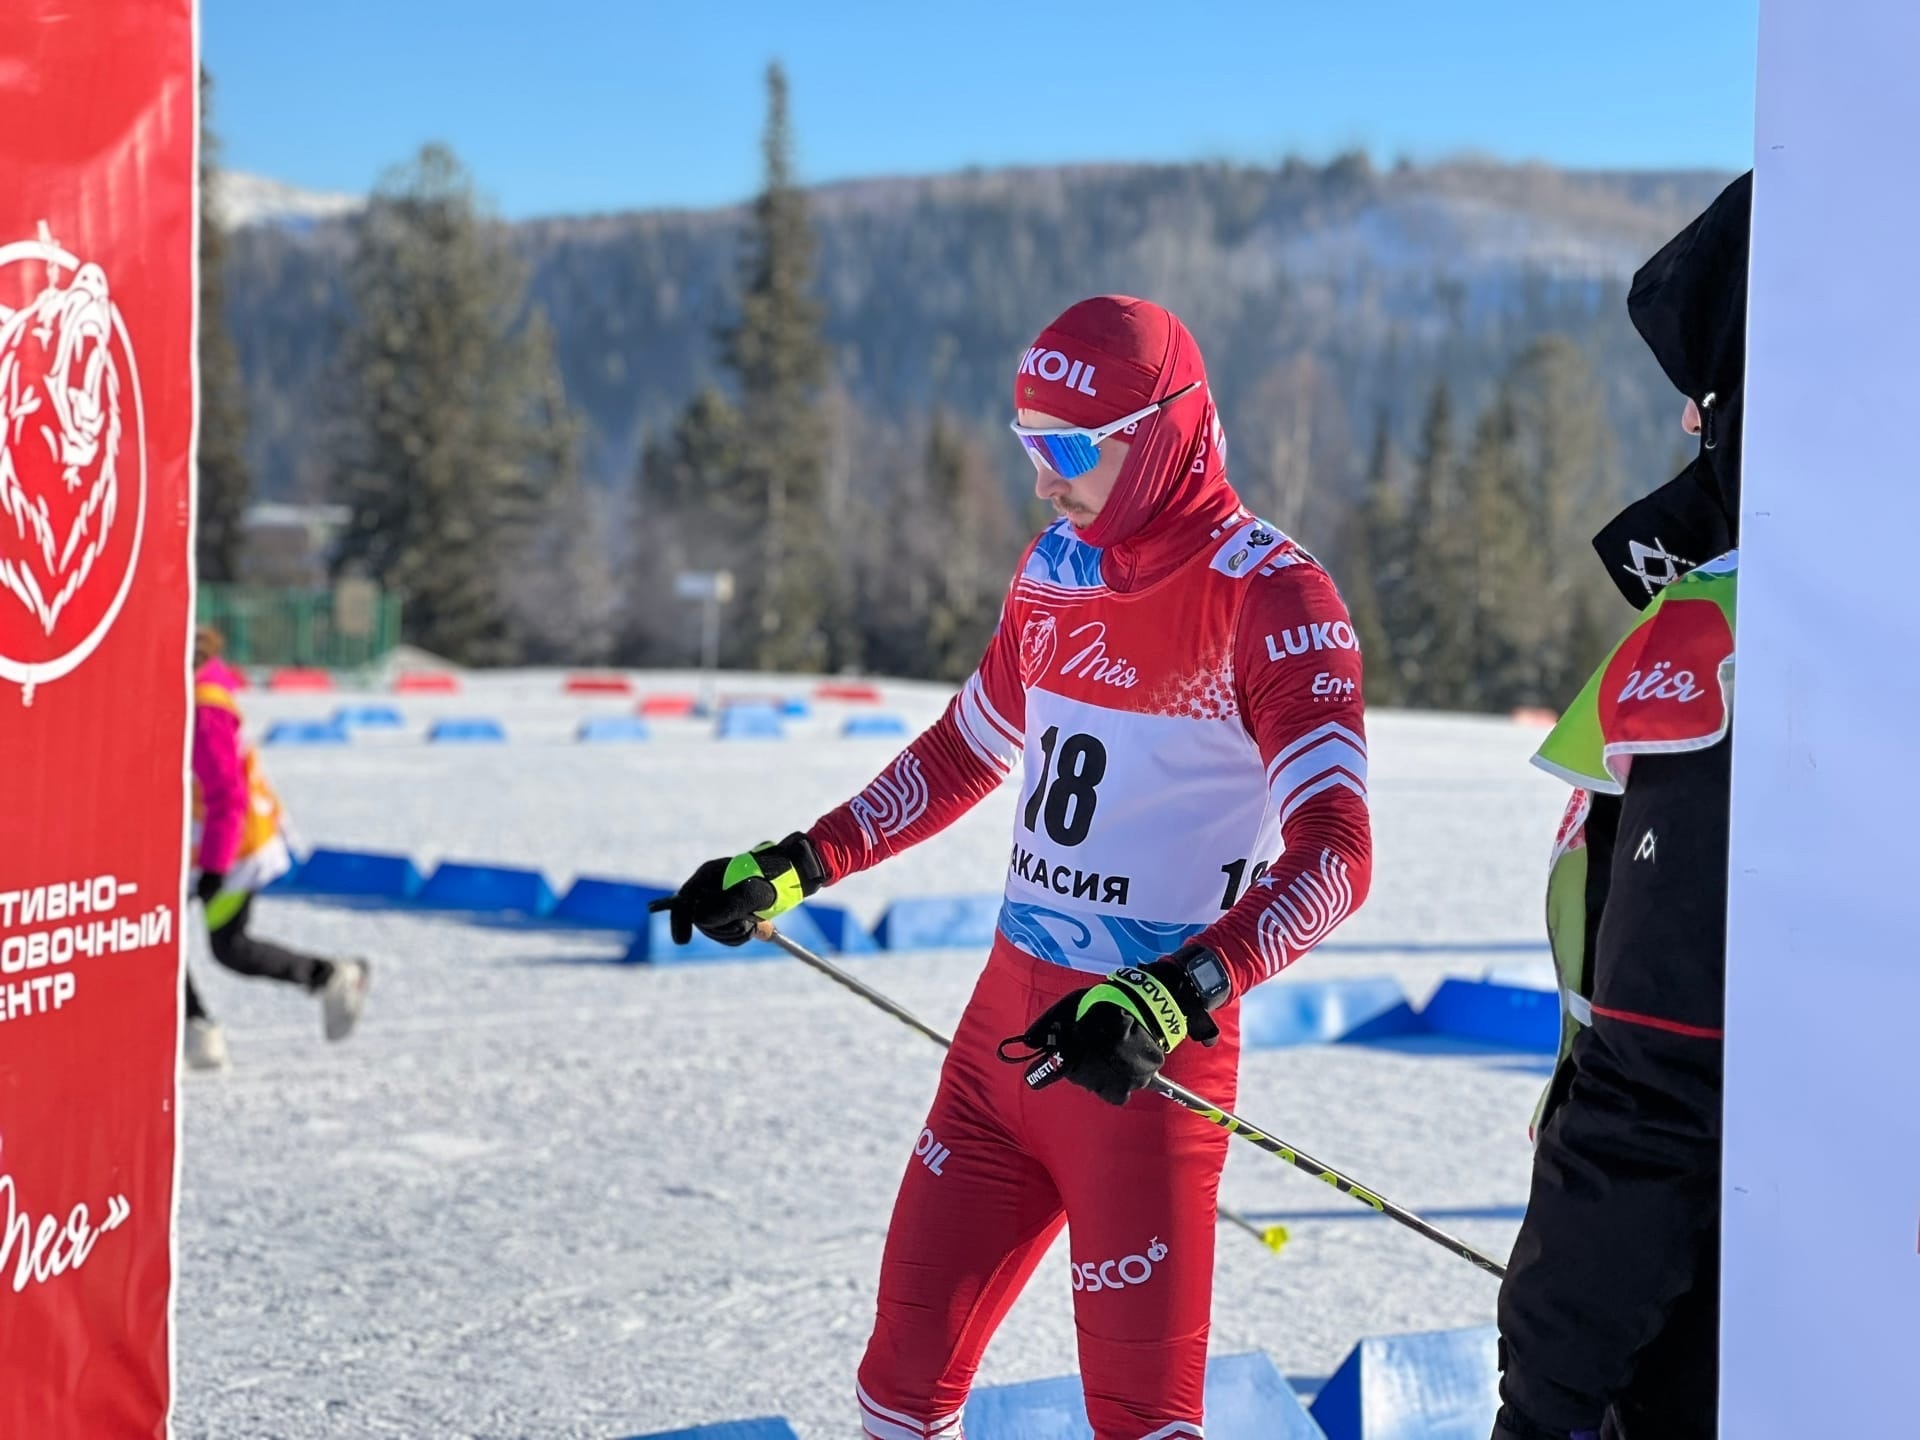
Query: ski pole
[1274,1236]
[1271,1236]
[1304,1162]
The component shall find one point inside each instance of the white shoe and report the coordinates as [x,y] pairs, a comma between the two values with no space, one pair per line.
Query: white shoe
[206,1046]
[344,997]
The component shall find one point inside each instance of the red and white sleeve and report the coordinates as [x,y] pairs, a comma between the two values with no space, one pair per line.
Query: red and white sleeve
[1301,702]
[952,766]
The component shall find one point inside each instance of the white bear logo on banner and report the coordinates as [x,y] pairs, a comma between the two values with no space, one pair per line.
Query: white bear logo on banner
[69,390]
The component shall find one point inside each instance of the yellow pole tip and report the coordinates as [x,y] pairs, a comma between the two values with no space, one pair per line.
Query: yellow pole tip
[1275,1237]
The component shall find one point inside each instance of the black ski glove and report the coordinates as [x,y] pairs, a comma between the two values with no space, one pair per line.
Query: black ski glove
[1112,1038]
[724,899]
[208,885]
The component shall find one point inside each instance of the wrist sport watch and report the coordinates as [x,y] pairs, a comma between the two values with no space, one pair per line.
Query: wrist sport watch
[1206,972]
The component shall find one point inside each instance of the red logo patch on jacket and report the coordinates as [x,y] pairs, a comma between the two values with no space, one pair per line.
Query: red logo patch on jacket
[1664,682]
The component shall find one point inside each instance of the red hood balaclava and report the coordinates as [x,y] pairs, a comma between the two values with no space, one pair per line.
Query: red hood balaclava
[1107,357]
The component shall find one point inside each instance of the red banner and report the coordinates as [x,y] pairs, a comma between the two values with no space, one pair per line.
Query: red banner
[99,117]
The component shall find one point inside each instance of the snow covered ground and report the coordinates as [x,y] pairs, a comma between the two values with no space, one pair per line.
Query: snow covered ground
[541,1195]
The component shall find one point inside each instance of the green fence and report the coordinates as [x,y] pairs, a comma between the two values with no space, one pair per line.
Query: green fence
[351,625]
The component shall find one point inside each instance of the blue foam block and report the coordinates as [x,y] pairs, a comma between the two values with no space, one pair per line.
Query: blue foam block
[750,722]
[472,730]
[289,880]
[307,732]
[1442,1385]
[653,944]
[767,1427]
[613,728]
[794,708]
[1319,1012]
[1247,1399]
[1513,1015]
[608,904]
[368,717]
[487,889]
[355,872]
[842,931]
[862,726]
[951,921]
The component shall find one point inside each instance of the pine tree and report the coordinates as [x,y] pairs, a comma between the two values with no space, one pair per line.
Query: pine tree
[1564,452]
[1587,644]
[564,604]
[1439,620]
[970,528]
[1373,578]
[458,441]
[687,514]
[695,466]
[221,473]
[796,598]
[1511,625]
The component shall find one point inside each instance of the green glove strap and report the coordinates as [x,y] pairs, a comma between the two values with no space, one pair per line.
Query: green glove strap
[224,905]
[787,892]
[1143,997]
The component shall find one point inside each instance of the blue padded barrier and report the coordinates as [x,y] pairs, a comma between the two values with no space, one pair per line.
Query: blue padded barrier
[843,932]
[653,944]
[307,732]
[612,728]
[1518,1016]
[767,1427]
[1247,1399]
[1320,1012]
[468,730]
[368,717]
[608,904]
[287,882]
[749,722]
[944,922]
[355,872]
[1441,1385]
[487,890]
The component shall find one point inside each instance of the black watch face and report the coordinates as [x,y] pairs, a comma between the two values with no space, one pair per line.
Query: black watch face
[1209,976]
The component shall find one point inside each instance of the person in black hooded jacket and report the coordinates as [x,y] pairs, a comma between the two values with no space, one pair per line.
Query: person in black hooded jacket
[1609,1315]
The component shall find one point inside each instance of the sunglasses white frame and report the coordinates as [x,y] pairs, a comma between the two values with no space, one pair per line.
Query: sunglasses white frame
[1104,432]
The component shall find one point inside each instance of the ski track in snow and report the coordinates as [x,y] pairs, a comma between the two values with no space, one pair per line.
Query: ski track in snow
[539,1194]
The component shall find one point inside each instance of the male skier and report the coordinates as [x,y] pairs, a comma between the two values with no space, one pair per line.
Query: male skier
[1184,684]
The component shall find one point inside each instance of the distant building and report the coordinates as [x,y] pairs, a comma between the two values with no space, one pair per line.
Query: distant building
[290,545]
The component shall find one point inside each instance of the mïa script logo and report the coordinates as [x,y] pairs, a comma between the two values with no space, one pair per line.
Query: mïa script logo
[1092,662]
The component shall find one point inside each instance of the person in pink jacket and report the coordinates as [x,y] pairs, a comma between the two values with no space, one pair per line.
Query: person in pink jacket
[239,850]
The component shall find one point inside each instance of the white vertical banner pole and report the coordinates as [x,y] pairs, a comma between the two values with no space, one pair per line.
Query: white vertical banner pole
[1821,1271]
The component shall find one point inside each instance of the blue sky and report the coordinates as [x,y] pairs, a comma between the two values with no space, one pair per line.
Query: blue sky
[575,106]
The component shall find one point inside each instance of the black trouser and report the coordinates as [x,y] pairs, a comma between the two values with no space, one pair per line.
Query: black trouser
[1609,1315]
[234,948]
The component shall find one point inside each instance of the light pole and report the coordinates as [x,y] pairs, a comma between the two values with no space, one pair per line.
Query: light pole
[713,588]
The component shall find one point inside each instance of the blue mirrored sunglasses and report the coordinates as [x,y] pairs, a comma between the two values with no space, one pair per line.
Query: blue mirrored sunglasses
[1076,451]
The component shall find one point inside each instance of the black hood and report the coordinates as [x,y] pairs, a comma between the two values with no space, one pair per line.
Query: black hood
[1689,303]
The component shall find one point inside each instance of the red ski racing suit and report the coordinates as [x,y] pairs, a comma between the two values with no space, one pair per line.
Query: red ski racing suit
[1187,701]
